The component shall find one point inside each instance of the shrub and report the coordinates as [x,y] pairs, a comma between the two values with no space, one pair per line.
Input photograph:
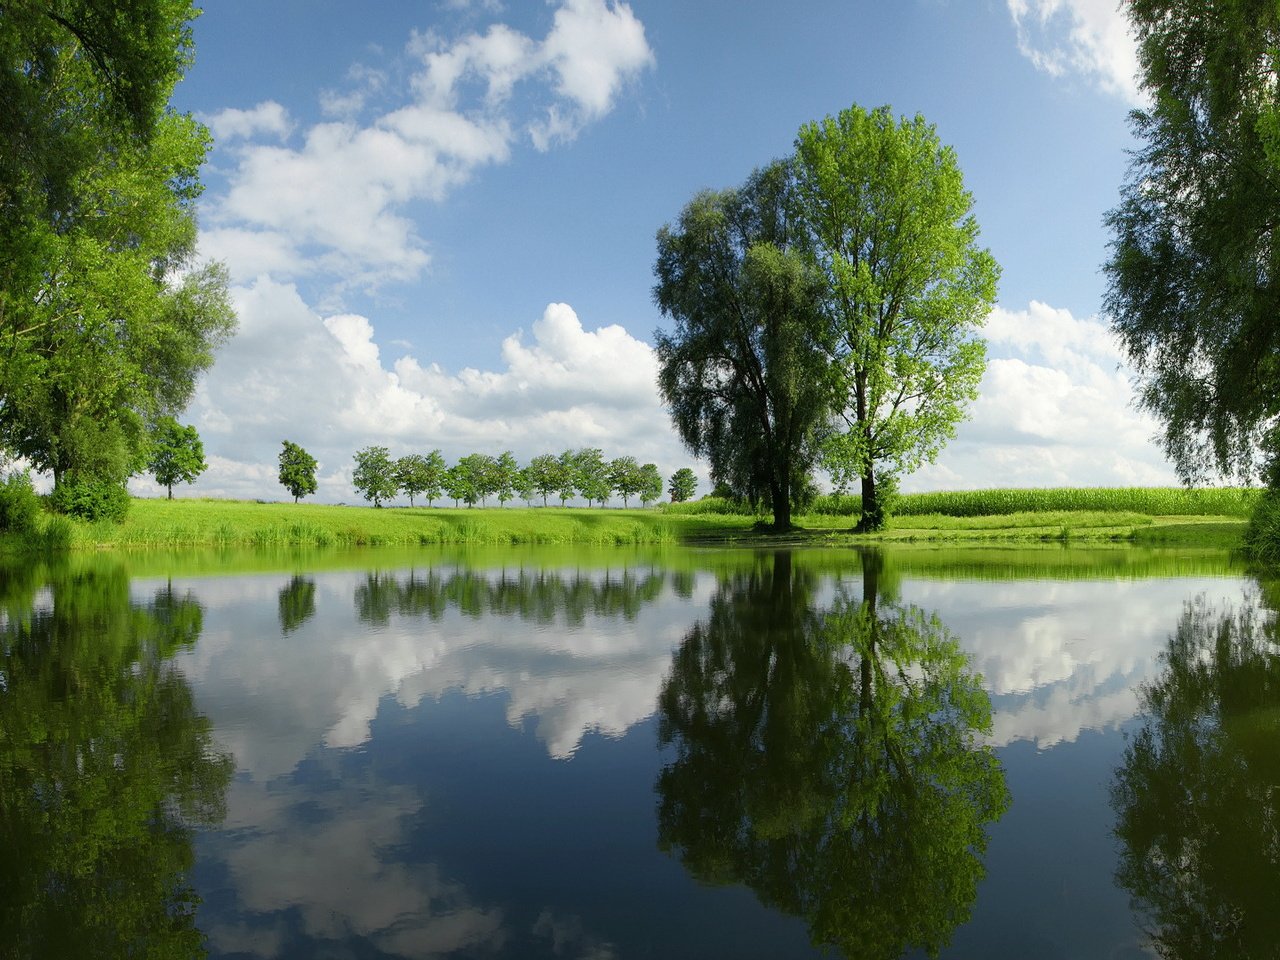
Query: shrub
[19,504]
[89,499]
[1262,535]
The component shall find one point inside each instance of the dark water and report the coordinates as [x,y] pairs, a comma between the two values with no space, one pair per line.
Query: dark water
[614,755]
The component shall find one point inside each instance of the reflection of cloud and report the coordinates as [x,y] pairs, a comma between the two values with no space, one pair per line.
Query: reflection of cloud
[1062,657]
[323,682]
[319,856]
[568,938]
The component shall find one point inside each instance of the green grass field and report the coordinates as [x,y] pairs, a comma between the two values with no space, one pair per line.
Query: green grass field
[1149,516]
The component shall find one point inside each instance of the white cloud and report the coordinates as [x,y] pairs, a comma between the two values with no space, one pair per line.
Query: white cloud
[333,205]
[1090,38]
[268,118]
[323,382]
[1055,408]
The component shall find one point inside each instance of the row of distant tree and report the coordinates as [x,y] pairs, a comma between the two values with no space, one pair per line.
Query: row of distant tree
[477,477]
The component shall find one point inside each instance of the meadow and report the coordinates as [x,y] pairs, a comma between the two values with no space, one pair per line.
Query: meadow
[1150,516]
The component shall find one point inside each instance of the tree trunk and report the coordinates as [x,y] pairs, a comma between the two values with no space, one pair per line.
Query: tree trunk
[171,491]
[871,519]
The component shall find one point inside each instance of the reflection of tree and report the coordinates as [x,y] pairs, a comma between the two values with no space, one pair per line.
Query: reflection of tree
[105,766]
[536,596]
[297,603]
[830,761]
[1198,795]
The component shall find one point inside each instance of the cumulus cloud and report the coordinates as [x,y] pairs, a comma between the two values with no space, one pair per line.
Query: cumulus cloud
[332,205]
[1088,38]
[267,118]
[1055,408]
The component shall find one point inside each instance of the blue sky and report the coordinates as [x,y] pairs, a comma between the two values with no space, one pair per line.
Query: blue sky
[440,216]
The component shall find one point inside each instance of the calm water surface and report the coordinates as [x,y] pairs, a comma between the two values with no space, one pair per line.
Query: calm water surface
[1052,753]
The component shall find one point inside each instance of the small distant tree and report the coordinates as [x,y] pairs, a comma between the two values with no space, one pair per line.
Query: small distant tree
[412,475]
[435,474]
[473,478]
[625,478]
[547,475]
[592,481]
[505,471]
[375,475]
[683,484]
[454,483]
[297,470]
[524,486]
[568,477]
[650,483]
[177,455]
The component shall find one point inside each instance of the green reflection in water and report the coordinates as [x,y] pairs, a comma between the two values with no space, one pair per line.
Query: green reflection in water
[1197,797]
[105,767]
[830,759]
[532,595]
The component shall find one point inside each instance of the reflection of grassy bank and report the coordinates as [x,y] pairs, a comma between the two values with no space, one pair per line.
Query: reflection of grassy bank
[184,524]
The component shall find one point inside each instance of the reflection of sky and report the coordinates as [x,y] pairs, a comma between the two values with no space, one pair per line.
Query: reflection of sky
[1062,657]
[390,797]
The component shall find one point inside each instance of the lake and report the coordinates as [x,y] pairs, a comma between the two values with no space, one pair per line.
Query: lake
[1054,752]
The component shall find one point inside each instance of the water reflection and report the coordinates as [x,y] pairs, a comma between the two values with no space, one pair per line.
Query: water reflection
[1196,798]
[105,768]
[531,595]
[830,759]
[297,603]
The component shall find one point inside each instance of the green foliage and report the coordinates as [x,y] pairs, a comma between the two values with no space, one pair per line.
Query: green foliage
[472,478]
[567,474]
[416,475]
[682,486]
[297,470]
[111,321]
[1194,270]
[890,227]
[177,455]
[743,372]
[1262,536]
[505,472]
[547,476]
[625,478]
[374,476]
[650,483]
[591,475]
[90,498]
[19,504]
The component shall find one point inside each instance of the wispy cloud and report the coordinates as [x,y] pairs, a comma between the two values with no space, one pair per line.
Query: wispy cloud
[1087,38]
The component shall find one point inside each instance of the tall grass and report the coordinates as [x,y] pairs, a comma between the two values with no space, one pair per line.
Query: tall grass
[1150,501]
[228,523]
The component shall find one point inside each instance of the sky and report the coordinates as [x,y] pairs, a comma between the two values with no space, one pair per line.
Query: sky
[439,216]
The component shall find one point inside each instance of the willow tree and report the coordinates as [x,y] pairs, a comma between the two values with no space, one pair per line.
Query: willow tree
[743,372]
[1195,255]
[889,226]
[106,317]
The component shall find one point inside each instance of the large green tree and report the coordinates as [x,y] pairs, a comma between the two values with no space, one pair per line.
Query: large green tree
[106,320]
[889,225]
[1195,254]
[743,371]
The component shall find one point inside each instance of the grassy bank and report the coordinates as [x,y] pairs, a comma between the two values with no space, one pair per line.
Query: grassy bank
[1155,517]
